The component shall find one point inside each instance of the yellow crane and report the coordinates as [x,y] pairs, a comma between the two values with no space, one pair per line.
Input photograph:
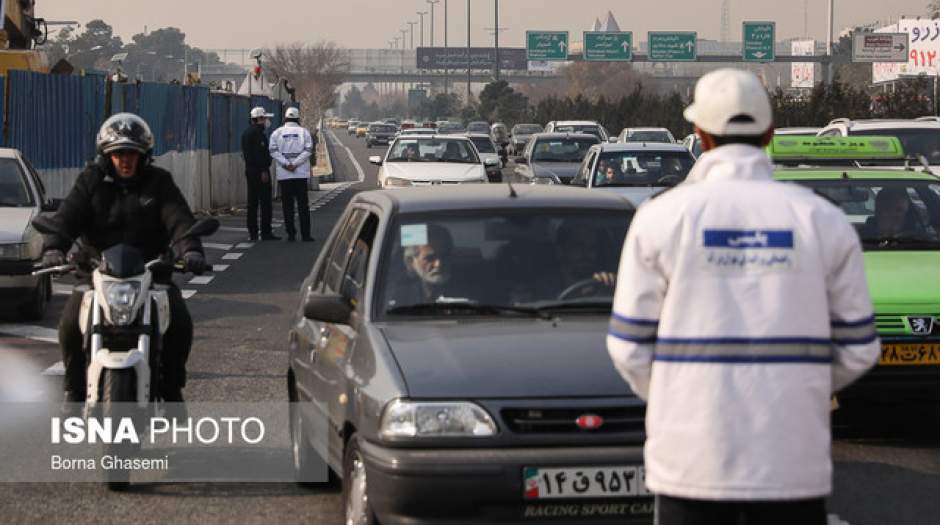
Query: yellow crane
[20,33]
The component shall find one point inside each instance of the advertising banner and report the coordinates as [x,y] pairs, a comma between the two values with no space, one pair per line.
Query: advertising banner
[923,52]
[803,74]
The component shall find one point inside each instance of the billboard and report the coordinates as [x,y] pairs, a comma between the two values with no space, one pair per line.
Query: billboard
[923,53]
[803,74]
[482,58]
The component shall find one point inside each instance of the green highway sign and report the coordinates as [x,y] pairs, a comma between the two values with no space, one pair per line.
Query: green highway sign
[672,46]
[759,39]
[608,46]
[546,45]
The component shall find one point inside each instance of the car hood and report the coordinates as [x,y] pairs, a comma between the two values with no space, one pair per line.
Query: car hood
[523,358]
[433,171]
[898,278]
[562,170]
[13,223]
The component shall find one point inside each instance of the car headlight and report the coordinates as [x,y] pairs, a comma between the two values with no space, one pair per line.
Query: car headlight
[396,182]
[418,419]
[14,251]
[121,298]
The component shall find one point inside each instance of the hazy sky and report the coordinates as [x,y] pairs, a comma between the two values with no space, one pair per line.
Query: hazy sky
[215,24]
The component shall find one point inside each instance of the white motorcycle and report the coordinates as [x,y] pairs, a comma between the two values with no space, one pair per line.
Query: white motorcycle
[123,317]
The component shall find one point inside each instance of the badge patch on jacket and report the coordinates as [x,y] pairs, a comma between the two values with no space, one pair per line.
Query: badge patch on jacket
[732,251]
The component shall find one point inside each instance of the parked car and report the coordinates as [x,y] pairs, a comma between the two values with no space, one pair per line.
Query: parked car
[380,133]
[478,127]
[520,135]
[646,135]
[487,397]
[552,158]
[635,170]
[489,154]
[589,127]
[22,197]
[425,160]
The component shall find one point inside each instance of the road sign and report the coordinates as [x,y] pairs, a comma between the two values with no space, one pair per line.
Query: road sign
[672,46]
[546,45]
[759,39]
[608,45]
[880,47]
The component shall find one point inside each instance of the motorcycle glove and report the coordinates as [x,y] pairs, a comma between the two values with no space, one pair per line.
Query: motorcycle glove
[194,262]
[53,258]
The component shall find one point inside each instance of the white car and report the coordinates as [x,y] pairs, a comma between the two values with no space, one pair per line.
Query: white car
[588,127]
[635,170]
[693,143]
[646,135]
[920,137]
[430,160]
[22,197]
[490,155]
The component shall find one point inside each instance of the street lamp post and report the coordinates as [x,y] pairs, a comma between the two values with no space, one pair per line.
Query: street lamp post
[411,25]
[469,78]
[446,56]
[421,14]
[432,3]
[401,59]
[496,33]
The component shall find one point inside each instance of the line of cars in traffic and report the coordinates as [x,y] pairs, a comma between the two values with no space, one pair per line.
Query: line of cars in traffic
[453,338]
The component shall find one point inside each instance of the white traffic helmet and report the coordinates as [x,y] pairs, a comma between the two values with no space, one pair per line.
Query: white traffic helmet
[260,112]
[292,113]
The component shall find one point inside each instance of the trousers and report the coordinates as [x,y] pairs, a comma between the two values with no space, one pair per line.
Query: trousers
[259,196]
[681,511]
[294,192]
[176,346]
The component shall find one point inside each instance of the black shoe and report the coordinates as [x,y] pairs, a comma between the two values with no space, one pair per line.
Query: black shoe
[172,395]
[308,239]
[270,237]
[252,238]
[291,238]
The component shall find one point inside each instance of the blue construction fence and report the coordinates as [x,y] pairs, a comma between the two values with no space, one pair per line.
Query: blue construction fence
[53,120]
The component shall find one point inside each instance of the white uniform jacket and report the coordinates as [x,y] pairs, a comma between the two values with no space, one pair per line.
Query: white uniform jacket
[291,144]
[741,306]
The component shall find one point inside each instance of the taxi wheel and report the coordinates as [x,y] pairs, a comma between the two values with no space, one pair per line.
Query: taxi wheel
[355,487]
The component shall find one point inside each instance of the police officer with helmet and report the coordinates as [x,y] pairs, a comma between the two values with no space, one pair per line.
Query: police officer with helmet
[122,197]
[292,150]
[258,174]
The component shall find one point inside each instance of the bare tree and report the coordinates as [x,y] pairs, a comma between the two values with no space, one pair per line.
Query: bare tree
[314,70]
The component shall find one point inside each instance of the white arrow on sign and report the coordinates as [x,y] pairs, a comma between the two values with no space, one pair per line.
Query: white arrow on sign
[625,46]
[562,45]
[759,54]
[690,45]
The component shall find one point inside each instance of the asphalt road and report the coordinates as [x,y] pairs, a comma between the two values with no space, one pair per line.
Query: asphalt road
[887,458]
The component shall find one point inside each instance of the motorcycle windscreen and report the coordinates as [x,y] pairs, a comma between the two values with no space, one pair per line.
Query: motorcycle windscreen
[122,261]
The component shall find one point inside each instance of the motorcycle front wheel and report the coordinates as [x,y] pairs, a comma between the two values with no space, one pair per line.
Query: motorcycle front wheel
[118,400]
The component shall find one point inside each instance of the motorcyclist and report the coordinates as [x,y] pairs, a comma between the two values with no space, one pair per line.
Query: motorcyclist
[122,197]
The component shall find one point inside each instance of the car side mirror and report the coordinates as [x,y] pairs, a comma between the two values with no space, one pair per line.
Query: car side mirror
[375,159]
[490,163]
[521,160]
[52,205]
[329,308]
[612,140]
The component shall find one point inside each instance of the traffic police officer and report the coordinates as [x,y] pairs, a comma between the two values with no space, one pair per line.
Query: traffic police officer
[292,147]
[741,306]
[258,174]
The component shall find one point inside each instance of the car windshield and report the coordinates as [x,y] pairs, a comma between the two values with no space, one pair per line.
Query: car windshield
[484,262]
[562,149]
[478,127]
[642,168]
[13,186]
[586,129]
[916,142]
[648,136]
[526,129]
[888,215]
[382,129]
[483,144]
[433,150]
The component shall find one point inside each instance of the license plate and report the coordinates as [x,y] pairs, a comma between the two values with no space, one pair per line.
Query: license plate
[585,482]
[901,354]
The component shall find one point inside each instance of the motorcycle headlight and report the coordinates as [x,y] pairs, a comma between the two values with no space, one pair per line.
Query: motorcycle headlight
[396,182]
[121,298]
[14,251]
[416,419]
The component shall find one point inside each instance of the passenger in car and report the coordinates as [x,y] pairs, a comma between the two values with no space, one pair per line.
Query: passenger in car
[892,216]
[429,272]
[580,249]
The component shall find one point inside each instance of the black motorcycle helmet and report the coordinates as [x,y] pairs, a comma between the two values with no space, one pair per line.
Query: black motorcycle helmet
[125,131]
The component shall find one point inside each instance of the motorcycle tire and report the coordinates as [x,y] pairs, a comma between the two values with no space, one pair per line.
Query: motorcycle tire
[118,399]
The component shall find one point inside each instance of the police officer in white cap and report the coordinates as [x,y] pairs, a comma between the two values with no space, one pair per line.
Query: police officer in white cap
[258,174]
[741,307]
[292,147]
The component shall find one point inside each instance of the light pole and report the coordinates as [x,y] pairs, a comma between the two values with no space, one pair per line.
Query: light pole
[829,43]
[469,92]
[446,55]
[401,58]
[432,4]
[412,26]
[421,14]
[496,32]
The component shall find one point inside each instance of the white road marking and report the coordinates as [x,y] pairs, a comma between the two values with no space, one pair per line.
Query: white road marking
[62,289]
[57,369]
[233,229]
[217,246]
[36,333]
[188,293]
[232,256]
[245,245]
[201,279]
[362,174]
[219,267]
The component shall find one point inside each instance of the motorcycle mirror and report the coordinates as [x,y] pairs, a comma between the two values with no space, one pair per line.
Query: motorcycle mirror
[202,228]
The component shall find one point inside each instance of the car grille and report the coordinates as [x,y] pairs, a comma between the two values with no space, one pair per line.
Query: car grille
[895,324]
[563,420]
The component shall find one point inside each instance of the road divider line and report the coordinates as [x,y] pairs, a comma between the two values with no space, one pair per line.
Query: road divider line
[219,267]
[362,174]
[33,332]
[245,245]
[233,229]
[188,293]
[233,256]
[217,246]
[57,369]
[201,279]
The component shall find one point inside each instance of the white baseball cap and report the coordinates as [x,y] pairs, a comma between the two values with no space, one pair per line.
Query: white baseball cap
[259,112]
[292,113]
[730,102]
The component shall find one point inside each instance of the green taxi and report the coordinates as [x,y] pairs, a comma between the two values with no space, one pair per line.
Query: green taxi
[894,204]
